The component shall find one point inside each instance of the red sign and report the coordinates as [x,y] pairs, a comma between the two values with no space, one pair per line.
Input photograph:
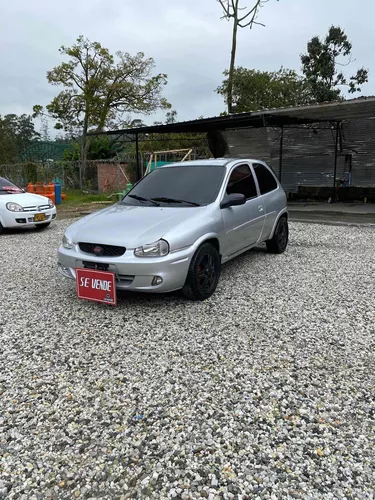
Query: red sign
[98,286]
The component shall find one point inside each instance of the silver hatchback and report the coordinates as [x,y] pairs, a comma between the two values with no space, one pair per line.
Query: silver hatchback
[179,224]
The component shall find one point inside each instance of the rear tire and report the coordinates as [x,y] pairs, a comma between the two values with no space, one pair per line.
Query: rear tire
[42,226]
[279,240]
[204,273]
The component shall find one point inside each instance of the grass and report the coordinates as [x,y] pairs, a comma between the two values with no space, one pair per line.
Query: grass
[78,197]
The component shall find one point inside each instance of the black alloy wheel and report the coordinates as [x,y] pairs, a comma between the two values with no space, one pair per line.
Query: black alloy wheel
[203,274]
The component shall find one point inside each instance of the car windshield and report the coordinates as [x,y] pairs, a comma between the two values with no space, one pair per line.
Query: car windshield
[7,187]
[189,185]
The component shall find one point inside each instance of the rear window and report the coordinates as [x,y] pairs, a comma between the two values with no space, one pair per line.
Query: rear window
[266,180]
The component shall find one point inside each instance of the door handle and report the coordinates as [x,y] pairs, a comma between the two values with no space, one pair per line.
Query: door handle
[260,208]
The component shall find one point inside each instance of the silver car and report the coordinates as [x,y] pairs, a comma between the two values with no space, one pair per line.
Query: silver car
[179,224]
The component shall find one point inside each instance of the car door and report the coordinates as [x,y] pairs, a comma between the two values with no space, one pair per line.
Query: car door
[243,224]
[270,196]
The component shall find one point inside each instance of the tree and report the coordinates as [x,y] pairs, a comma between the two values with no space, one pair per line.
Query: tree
[320,65]
[100,148]
[255,90]
[171,117]
[16,134]
[98,88]
[44,127]
[232,10]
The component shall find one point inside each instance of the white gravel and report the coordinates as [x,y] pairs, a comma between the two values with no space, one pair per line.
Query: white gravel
[264,391]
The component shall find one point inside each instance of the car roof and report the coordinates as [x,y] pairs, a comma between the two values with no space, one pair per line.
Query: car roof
[214,162]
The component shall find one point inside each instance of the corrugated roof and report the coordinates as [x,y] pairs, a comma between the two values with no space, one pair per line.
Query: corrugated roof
[362,107]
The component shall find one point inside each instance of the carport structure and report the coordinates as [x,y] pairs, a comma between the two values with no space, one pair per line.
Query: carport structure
[224,132]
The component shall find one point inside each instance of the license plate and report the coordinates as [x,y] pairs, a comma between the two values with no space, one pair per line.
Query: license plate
[39,217]
[98,286]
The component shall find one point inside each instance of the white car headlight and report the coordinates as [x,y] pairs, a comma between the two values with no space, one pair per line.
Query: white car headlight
[67,243]
[50,203]
[14,207]
[157,249]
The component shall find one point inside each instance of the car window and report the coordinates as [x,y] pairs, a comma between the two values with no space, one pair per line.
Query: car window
[7,187]
[266,180]
[190,184]
[241,181]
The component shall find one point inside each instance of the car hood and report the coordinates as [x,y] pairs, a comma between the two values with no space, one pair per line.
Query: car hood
[24,199]
[130,226]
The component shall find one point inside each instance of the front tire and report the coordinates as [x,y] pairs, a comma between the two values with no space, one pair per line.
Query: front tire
[279,240]
[1,228]
[204,273]
[42,226]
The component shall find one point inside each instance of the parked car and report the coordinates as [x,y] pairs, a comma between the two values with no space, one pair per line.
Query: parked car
[179,224]
[20,209]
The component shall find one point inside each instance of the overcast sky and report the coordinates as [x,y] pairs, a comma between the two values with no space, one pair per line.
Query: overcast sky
[186,38]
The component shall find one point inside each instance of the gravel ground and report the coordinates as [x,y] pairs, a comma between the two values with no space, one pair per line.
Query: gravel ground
[264,391]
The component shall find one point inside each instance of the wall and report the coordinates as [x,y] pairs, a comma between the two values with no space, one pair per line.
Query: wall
[113,176]
[308,155]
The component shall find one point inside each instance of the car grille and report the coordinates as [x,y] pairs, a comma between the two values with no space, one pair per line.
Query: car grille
[40,208]
[106,250]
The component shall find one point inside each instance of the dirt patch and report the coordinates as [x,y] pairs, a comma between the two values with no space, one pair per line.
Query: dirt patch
[70,211]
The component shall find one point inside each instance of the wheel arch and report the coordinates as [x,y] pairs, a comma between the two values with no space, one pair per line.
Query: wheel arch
[208,238]
[283,213]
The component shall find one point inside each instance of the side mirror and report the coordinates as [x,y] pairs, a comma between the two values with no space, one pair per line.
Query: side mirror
[233,200]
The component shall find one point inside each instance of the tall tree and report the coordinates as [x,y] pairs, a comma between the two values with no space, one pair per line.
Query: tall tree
[322,65]
[16,134]
[255,90]
[44,127]
[242,18]
[99,87]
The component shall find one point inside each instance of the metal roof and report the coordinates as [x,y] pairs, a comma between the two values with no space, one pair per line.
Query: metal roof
[363,107]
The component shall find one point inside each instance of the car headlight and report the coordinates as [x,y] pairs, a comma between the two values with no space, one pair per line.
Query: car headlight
[157,249]
[67,243]
[14,207]
[50,203]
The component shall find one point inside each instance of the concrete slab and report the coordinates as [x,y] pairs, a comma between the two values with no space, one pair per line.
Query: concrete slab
[333,213]
[340,208]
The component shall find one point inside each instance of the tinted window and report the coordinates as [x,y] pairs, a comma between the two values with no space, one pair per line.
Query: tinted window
[242,181]
[193,183]
[266,180]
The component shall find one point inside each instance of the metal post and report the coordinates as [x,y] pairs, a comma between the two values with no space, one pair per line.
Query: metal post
[281,152]
[335,164]
[139,167]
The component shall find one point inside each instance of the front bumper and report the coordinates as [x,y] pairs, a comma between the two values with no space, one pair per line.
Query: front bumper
[132,273]
[22,219]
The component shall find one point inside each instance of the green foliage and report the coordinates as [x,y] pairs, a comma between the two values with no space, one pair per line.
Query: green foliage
[320,65]
[16,134]
[171,116]
[73,154]
[99,87]
[30,172]
[99,148]
[255,90]
[78,197]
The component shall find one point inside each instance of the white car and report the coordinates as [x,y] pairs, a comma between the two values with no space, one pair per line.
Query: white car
[20,209]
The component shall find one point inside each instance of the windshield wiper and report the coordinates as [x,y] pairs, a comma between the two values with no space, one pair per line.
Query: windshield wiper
[173,200]
[141,198]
